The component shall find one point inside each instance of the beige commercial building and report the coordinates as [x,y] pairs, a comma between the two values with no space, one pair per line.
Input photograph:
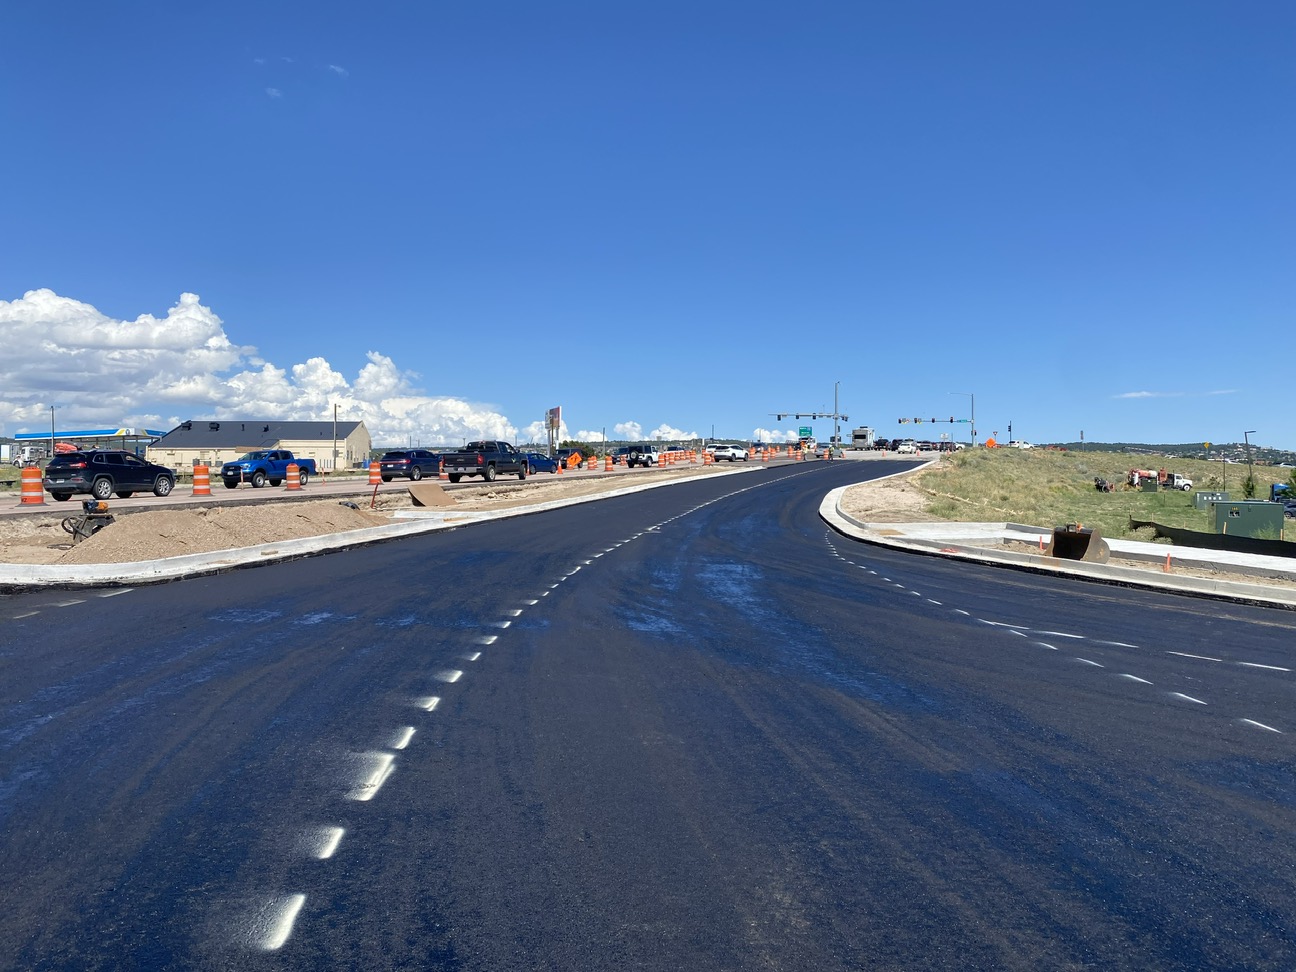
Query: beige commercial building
[211,443]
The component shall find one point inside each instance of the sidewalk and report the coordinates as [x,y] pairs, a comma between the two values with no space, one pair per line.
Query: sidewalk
[966,541]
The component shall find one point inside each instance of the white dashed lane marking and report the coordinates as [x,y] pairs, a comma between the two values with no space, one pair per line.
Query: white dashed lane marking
[403,738]
[380,766]
[327,841]
[1261,725]
[273,925]
[124,590]
[448,675]
[1184,654]
[1025,631]
[429,704]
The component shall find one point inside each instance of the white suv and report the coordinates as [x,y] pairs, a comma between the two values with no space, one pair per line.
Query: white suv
[730,452]
[907,447]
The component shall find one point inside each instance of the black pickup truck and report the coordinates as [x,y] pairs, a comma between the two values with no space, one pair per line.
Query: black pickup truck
[486,459]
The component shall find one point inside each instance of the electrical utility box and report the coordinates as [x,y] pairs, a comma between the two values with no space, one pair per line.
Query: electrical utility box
[1202,499]
[1250,518]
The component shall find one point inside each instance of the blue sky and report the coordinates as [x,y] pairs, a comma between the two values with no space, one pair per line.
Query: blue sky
[664,217]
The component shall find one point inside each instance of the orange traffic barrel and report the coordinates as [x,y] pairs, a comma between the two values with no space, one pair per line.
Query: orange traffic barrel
[375,476]
[292,476]
[33,494]
[201,481]
[607,462]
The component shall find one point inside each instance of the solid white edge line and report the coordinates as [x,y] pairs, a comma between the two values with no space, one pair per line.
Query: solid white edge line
[1045,644]
[1272,668]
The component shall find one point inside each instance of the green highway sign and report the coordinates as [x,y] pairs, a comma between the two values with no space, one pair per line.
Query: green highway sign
[805,431]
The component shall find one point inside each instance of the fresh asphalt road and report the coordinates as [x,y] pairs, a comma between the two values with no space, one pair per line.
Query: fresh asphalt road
[689,728]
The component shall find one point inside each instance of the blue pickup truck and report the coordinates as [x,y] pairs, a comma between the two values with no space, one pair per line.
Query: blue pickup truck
[265,466]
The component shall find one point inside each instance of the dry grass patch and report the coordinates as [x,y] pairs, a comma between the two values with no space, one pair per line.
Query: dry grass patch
[1047,488]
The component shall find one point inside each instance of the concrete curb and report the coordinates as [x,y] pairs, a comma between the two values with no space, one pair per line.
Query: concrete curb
[15,578]
[942,540]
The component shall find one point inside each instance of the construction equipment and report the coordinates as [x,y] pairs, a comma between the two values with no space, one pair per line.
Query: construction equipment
[94,517]
[1073,542]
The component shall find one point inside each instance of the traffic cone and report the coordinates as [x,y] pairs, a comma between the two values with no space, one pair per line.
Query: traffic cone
[33,494]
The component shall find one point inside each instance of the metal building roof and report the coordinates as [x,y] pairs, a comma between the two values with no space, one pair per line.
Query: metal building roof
[244,433]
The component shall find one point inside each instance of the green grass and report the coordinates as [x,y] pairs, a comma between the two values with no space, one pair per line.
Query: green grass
[1049,488]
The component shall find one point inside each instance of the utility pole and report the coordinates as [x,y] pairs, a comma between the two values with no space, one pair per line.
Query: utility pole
[973,398]
[333,468]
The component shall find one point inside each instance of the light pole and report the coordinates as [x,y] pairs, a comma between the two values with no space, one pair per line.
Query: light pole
[836,442]
[333,469]
[51,431]
[973,397]
[1246,437]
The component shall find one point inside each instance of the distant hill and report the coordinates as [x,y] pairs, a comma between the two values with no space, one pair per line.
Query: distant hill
[1261,455]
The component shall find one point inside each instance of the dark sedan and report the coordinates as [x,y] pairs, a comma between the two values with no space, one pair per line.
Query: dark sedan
[102,472]
[409,464]
[539,462]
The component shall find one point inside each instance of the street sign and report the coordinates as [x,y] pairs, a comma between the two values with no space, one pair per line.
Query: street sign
[805,432]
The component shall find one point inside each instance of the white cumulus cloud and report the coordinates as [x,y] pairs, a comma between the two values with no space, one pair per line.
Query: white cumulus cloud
[155,372]
[667,433]
[630,431]
[775,435]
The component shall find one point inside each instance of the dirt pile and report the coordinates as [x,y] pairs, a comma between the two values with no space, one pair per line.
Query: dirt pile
[169,533]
